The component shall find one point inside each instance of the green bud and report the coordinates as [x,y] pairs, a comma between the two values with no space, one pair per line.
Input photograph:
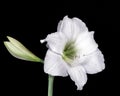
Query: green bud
[19,51]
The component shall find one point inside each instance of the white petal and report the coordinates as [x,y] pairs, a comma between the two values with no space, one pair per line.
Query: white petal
[54,65]
[42,41]
[65,27]
[86,43]
[94,63]
[78,75]
[56,42]
[71,27]
[79,25]
[59,26]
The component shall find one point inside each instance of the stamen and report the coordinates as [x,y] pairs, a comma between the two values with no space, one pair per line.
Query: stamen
[69,52]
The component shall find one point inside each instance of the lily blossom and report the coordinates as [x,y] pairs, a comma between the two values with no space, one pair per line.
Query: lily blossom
[73,51]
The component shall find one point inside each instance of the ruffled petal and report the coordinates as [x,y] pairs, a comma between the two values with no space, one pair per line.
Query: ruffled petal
[94,62]
[56,42]
[54,65]
[71,27]
[78,75]
[59,26]
[86,43]
[79,26]
[65,26]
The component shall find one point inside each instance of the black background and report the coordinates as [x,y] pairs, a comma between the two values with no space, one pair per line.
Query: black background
[29,22]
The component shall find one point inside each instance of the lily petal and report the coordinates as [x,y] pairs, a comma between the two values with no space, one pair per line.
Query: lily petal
[65,26]
[54,65]
[78,75]
[59,26]
[56,42]
[86,43]
[94,63]
[71,27]
[79,25]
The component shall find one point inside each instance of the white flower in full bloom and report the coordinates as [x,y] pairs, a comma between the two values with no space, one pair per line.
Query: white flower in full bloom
[73,51]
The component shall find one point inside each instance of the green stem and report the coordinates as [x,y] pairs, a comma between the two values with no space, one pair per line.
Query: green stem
[50,82]
[50,85]
[41,61]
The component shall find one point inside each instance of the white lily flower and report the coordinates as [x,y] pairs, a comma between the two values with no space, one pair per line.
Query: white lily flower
[73,51]
[19,51]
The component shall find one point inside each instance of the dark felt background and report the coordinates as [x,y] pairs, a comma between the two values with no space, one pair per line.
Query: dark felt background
[29,22]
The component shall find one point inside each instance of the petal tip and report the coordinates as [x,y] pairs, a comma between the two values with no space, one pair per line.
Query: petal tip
[66,17]
[42,41]
[81,88]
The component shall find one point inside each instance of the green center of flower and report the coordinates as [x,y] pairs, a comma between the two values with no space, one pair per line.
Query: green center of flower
[69,52]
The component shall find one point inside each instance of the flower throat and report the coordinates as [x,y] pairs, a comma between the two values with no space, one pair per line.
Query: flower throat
[69,51]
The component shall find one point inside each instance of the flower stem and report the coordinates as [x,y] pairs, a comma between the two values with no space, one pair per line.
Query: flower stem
[50,85]
[41,61]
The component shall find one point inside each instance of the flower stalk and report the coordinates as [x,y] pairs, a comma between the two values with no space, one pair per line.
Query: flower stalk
[50,85]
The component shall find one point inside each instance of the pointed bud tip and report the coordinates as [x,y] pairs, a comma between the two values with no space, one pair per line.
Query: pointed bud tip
[8,37]
[4,43]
